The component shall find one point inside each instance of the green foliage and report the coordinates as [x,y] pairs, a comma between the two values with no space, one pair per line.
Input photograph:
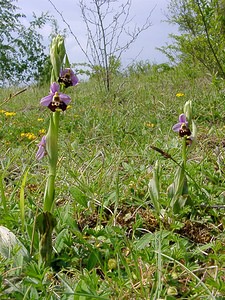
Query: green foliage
[178,190]
[22,54]
[154,188]
[202,34]
[109,241]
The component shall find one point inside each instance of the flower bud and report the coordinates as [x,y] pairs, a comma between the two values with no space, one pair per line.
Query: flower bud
[57,55]
[61,48]
[188,110]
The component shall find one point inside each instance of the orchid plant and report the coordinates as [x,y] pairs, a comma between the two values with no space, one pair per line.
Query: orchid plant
[178,190]
[56,101]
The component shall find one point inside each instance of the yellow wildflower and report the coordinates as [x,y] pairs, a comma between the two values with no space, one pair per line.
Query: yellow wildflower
[40,120]
[42,131]
[149,124]
[31,136]
[179,95]
[10,113]
[2,111]
[28,135]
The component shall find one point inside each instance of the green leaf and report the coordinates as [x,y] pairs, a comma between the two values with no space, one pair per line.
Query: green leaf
[144,241]
[93,259]
[2,190]
[59,242]
[22,199]
[11,247]
[79,196]
[178,190]
[154,187]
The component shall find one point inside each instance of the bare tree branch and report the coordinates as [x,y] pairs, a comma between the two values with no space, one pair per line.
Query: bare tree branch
[109,32]
[76,39]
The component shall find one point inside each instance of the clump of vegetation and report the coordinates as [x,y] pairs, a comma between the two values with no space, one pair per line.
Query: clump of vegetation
[110,240]
[201,40]
[22,52]
[138,202]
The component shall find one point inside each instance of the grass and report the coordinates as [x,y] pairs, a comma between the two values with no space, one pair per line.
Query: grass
[110,242]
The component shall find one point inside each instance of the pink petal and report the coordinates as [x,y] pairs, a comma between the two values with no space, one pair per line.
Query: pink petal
[43,141]
[65,98]
[54,87]
[182,118]
[176,127]
[40,153]
[41,148]
[45,101]
[74,79]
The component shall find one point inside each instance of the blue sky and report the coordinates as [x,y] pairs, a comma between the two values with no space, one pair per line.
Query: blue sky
[143,49]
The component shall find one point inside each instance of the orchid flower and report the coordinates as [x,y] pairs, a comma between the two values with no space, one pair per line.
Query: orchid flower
[183,129]
[68,78]
[55,99]
[182,121]
[41,148]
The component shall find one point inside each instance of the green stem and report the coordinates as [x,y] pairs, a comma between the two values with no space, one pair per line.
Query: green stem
[52,150]
[184,152]
[46,221]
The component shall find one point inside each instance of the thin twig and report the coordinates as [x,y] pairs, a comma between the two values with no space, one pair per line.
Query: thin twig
[167,155]
[12,96]
[69,27]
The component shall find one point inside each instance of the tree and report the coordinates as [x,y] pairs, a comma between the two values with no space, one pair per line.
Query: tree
[109,34]
[202,39]
[22,53]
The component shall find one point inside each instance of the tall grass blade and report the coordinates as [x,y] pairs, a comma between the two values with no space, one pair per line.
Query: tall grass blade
[22,199]
[3,197]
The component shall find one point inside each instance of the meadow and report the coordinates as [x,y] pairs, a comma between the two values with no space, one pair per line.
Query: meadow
[112,240]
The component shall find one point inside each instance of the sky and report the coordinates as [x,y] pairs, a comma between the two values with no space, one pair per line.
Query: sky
[144,48]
